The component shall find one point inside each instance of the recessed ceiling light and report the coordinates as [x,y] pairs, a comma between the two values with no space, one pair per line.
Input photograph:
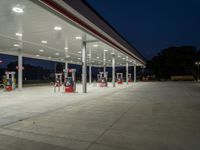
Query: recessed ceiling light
[66,48]
[16,45]
[95,45]
[79,58]
[37,55]
[41,50]
[19,34]
[44,42]
[105,50]
[124,58]
[112,53]
[119,56]
[57,28]
[57,54]
[17,10]
[79,52]
[49,57]
[67,56]
[97,57]
[78,37]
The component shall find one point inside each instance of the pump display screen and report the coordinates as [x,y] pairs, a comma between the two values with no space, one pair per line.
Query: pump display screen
[69,81]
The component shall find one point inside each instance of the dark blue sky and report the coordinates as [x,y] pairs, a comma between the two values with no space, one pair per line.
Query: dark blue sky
[152,25]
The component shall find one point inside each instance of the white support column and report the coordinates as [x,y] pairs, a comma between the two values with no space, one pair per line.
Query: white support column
[90,67]
[135,75]
[20,67]
[104,69]
[113,70]
[126,70]
[66,69]
[84,66]
[104,63]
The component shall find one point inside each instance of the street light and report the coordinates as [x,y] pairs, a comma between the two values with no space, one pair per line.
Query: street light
[198,64]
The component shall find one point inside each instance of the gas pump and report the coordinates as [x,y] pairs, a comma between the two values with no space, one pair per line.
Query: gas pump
[102,79]
[70,81]
[120,78]
[58,81]
[9,81]
[129,78]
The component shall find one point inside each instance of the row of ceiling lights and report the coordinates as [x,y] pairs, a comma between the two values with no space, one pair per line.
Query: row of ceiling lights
[20,10]
[57,28]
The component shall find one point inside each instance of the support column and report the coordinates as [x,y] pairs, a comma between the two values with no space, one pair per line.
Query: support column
[126,70]
[66,69]
[20,67]
[104,63]
[113,70]
[90,67]
[104,69]
[84,66]
[135,75]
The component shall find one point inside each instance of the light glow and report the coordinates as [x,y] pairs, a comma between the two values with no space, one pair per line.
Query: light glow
[16,45]
[44,42]
[57,28]
[95,45]
[17,10]
[78,37]
[19,34]
[41,50]
[66,48]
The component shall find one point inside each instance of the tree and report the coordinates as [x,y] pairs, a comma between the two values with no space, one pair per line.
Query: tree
[174,61]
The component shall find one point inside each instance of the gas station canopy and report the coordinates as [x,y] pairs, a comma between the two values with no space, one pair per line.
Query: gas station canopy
[54,30]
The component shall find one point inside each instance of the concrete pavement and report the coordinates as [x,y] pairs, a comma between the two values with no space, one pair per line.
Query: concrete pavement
[141,116]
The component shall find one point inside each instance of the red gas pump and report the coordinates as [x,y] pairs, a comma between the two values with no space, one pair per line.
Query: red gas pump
[70,81]
[102,79]
[9,81]
[120,78]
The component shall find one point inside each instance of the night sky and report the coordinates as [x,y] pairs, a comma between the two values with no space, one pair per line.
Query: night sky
[152,25]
